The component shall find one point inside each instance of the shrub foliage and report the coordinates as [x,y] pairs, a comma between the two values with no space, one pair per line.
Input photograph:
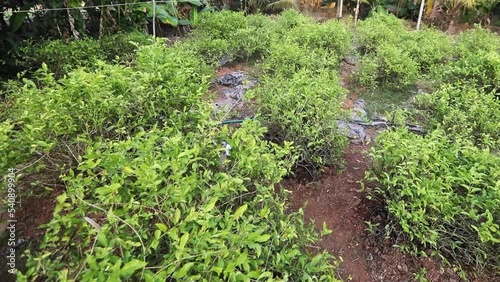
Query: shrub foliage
[153,195]
[444,195]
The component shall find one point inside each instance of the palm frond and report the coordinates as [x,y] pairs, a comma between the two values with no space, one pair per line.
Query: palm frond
[257,5]
[281,5]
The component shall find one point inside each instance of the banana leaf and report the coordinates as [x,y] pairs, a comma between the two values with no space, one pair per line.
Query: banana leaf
[193,15]
[192,2]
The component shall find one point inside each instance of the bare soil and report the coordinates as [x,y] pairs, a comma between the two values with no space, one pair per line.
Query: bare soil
[34,207]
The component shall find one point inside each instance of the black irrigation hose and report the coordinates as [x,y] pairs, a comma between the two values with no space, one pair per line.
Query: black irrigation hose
[233,121]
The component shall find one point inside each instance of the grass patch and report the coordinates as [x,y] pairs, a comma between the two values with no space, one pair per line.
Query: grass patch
[379,101]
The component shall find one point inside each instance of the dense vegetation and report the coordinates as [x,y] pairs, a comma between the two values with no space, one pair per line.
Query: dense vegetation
[42,19]
[148,196]
[150,193]
[441,189]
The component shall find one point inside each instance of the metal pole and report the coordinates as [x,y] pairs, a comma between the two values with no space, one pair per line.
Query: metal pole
[340,8]
[154,20]
[356,13]
[420,13]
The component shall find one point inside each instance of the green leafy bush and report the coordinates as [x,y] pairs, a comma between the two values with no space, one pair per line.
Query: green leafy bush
[380,28]
[154,196]
[255,40]
[290,19]
[287,58]
[212,50]
[443,189]
[156,207]
[122,47]
[477,40]
[304,108]
[235,36]
[111,101]
[62,56]
[391,67]
[252,42]
[16,146]
[369,72]
[222,25]
[443,194]
[331,36]
[481,69]
[232,35]
[386,60]
[429,48]
[477,61]
[464,113]
[395,57]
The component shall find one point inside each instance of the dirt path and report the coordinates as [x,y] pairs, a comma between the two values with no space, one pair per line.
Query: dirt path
[336,199]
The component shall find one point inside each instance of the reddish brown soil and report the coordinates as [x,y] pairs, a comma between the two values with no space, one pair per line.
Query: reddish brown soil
[349,102]
[36,193]
[336,200]
[229,69]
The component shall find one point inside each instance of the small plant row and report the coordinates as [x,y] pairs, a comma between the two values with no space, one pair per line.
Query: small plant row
[160,205]
[299,95]
[300,59]
[443,189]
[62,56]
[394,56]
[110,102]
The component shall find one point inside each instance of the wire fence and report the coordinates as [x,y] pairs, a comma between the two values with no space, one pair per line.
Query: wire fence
[38,10]
[33,10]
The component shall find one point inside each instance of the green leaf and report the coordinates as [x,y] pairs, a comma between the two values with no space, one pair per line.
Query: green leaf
[210,206]
[267,274]
[193,2]
[166,17]
[177,216]
[130,267]
[193,16]
[262,238]
[239,212]
[192,216]
[102,239]
[61,198]
[16,20]
[162,227]
[108,189]
[242,258]
[183,271]
[184,240]
[325,230]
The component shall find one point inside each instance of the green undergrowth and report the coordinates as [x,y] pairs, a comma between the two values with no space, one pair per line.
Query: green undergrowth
[299,93]
[160,205]
[151,194]
[110,102]
[62,56]
[443,189]
[443,194]
[304,109]
[393,56]
[467,114]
